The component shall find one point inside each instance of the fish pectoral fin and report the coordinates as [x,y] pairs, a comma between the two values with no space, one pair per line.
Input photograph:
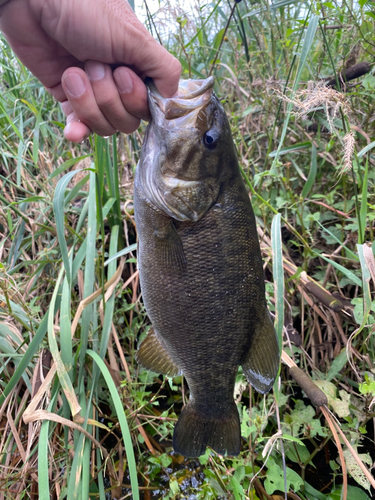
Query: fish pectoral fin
[169,246]
[262,361]
[153,356]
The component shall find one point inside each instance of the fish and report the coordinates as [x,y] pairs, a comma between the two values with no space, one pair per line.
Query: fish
[200,266]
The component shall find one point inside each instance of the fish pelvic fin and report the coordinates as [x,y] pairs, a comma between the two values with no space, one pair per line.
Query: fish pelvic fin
[153,356]
[261,364]
[195,430]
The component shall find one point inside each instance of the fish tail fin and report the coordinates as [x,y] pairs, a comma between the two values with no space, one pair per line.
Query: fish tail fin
[196,429]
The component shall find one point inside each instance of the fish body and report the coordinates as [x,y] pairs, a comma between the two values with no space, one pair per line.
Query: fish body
[200,266]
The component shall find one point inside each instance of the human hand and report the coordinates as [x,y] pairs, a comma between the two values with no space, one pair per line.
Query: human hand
[91,55]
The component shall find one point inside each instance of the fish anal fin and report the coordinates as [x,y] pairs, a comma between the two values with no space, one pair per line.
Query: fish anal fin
[169,246]
[153,356]
[262,361]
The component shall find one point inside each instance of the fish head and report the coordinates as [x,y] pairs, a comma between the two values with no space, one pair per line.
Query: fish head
[188,150]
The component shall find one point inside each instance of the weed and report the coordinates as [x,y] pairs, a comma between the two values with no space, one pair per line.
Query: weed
[78,417]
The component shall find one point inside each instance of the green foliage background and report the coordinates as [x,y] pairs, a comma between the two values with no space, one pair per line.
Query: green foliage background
[103,426]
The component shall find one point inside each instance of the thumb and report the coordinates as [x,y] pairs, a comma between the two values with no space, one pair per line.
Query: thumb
[133,46]
[154,61]
[162,67]
[166,79]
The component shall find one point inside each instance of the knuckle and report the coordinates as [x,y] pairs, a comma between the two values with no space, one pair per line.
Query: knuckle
[108,103]
[97,124]
[130,126]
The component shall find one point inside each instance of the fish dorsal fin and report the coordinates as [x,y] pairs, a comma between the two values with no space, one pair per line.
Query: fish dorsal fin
[153,356]
[262,361]
[169,246]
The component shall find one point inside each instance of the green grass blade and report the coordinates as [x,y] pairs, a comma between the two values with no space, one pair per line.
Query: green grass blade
[278,278]
[80,255]
[78,479]
[366,276]
[352,254]
[58,208]
[82,216]
[100,475]
[86,476]
[363,209]
[201,29]
[43,465]
[116,181]
[100,162]
[62,373]
[107,207]
[65,328]
[89,273]
[34,346]
[67,164]
[108,316]
[9,119]
[77,188]
[276,5]
[312,174]
[291,149]
[124,251]
[342,269]
[14,250]
[20,152]
[75,478]
[307,45]
[366,149]
[122,420]
[36,133]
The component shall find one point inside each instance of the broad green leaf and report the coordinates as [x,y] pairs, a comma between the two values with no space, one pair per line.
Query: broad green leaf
[353,493]
[337,365]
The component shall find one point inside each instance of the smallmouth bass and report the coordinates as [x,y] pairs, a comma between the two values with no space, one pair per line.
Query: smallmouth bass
[200,266]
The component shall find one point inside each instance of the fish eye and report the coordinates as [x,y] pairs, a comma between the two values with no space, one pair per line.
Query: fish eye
[211,138]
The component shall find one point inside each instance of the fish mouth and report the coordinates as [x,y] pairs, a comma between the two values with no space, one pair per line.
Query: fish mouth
[192,96]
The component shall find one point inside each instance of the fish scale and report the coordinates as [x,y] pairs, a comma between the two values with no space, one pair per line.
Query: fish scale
[200,268]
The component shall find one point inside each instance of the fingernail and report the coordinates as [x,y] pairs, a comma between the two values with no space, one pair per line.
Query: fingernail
[74,84]
[95,70]
[123,80]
